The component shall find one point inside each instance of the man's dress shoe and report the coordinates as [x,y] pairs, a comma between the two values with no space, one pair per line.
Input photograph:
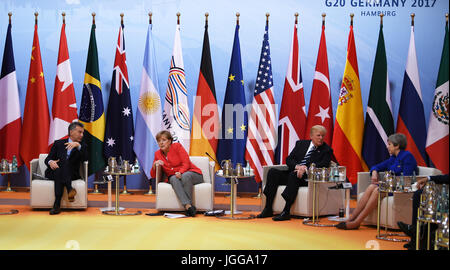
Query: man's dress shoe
[55,211]
[283,216]
[265,213]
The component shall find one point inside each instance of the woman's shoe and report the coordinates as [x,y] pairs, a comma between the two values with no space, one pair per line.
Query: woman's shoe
[343,226]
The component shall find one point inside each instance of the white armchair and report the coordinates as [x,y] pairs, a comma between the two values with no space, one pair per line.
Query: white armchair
[330,200]
[399,205]
[42,192]
[202,195]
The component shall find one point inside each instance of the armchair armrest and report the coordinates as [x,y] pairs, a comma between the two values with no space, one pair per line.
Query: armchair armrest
[266,170]
[363,181]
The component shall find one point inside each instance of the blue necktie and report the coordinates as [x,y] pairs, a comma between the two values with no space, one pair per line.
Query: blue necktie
[308,155]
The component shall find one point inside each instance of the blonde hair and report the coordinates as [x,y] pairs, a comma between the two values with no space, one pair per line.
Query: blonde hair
[319,128]
[164,133]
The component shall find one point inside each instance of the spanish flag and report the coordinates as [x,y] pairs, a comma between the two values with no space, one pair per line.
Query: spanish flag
[349,125]
[205,122]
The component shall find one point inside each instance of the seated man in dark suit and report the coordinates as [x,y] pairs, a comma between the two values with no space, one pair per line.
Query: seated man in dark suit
[304,153]
[410,229]
[63,164]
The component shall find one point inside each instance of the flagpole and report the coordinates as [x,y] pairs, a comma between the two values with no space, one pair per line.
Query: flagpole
[206,18]
[381,19]
[150,189]
[125,190]
[9,14]
[178,18]
[323,18]
[35,18]
[64,17]
[351,19]
[296,17]
[237,18]
[97,174]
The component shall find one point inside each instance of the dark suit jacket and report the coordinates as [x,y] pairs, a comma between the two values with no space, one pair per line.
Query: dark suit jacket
[440,179]
[70,165]
[321,157]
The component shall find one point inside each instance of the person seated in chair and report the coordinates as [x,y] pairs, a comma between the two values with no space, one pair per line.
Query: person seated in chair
[411,229]
[401,161]
[178,168]
[304,153]
[63,164]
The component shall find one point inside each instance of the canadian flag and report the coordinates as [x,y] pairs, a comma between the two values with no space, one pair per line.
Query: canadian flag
[64,108]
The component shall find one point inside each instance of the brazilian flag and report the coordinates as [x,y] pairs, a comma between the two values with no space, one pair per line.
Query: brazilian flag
[91,110]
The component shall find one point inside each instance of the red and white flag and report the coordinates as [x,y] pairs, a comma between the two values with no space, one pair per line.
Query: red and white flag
[320,110]
[10,116]
[262,137]
[292,122]
[64,108]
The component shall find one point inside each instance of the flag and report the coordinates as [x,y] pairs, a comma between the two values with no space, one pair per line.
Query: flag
[36,118]
[91,109]
[262,137]
[10,114]
[292,122]
[148,115]
[64,108]
[320,110]
[119,129]
[411,115]
[234,117]
[379,123]
[349,123]
[205,121]
[437,139]
[176,116]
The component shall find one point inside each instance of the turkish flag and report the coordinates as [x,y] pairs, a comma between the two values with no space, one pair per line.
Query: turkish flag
[320,111]
[36,119]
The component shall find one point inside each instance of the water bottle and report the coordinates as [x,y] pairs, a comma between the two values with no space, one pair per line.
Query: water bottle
[14,164]
[311,170]
[247,168]
[402,182]
[336,173]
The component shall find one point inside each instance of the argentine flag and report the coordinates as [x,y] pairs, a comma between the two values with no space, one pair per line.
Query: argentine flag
[148,118]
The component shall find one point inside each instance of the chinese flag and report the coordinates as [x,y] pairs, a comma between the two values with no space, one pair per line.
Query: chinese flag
[36,119]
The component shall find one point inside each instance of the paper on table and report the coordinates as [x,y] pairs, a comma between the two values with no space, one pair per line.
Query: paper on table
[169,215]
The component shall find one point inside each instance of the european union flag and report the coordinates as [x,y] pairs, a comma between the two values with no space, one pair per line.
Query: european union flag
[234,115]
[119,131]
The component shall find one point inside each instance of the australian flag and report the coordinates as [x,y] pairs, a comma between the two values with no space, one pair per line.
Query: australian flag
[119,130]
[234,117]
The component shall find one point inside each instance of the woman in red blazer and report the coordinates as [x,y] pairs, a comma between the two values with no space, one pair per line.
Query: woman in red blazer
[178,169]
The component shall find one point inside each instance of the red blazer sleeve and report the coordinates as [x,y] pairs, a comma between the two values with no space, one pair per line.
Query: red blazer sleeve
[153,170]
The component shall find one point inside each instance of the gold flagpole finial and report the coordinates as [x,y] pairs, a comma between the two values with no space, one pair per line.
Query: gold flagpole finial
[64,17]
[296,17]
[178,17]
[267,18]
[121,18]
[381,18]
[237,17]
[351,18]
[93,17]
[446,17]
[323,18]
[206,18]
[35,17]
[150,14]
[9,14]
[412,19]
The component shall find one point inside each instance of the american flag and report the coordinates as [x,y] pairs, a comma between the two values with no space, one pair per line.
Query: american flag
[261,141]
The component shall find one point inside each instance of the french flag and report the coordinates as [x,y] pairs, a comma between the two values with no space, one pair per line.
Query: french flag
[10,115]
[411,116]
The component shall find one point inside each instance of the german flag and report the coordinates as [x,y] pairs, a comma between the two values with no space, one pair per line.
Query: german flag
[205,123]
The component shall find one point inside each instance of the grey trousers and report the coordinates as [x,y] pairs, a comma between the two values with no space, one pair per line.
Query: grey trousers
[183,187]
